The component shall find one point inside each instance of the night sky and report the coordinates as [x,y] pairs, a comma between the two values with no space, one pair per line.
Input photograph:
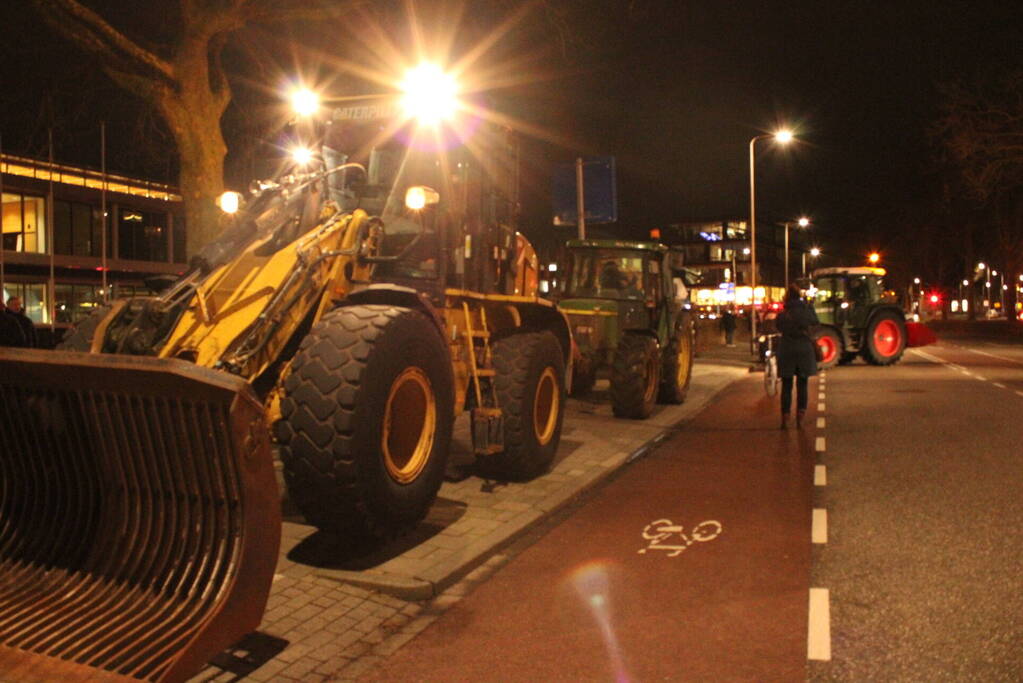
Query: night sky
[673,90]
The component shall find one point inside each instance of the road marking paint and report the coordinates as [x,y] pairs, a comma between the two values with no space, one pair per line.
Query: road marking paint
[982,378]
[1019,393]
[819,529]
[820,395]
[993,355]
[821,422]
[820,407]
[819,444]
[999,385]
[820,475]
[818,637]
[662,529]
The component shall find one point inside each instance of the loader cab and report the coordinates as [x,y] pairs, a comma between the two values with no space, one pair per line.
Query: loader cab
[467,239]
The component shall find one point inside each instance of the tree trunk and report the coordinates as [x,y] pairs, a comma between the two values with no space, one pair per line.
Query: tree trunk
[193,111]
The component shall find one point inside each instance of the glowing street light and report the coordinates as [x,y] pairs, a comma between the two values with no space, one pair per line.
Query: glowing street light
[229,202]
[429,94]
[814,252]
[304,102]
[783,137]
[874,258]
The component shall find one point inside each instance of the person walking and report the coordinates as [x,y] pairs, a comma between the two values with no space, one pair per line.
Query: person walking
[728,325]
[28,328]
[11,333]
[797,359]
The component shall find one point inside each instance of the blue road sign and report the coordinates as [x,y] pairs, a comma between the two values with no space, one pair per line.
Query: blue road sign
[599,193]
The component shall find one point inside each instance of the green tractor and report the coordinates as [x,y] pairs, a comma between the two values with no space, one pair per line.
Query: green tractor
[857,319]
[630,321]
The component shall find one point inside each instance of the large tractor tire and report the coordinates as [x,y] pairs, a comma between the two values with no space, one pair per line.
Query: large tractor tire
[366,420]
[79,337]
[635,376]
[885,339]
[678,363]
[530,386]
[831,347]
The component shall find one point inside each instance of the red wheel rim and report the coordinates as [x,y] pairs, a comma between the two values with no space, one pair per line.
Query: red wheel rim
[887,338]
[828,348]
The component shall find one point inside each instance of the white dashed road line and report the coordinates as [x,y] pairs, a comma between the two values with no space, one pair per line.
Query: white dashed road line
[820,475]
[820,423]
[818,637]
[818,444]
[819,529]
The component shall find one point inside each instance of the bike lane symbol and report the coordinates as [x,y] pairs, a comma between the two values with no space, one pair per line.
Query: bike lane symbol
[662,534]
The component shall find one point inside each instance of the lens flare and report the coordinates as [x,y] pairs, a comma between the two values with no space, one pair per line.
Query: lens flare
[593,586]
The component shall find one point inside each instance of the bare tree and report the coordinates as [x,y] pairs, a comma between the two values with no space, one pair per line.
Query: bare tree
[980,133]
[184,81]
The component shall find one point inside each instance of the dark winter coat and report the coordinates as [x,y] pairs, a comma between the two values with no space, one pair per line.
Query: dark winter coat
[11,333]
[28,328]
[797,324]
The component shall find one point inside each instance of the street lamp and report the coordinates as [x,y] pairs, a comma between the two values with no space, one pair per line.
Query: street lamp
[802,222]
[874,258]
[814,252]
[783,136]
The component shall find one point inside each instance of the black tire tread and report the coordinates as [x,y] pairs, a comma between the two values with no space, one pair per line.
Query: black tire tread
[671,392]
[317,432]
[869,354]
[628,376]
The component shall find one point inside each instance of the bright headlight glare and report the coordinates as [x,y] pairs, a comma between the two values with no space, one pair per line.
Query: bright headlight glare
[301,155]
[229,202]
[429,94]
[305,102]
[418,197]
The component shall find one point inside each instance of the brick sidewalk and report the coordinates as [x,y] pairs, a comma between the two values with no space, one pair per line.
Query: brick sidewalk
[336,612]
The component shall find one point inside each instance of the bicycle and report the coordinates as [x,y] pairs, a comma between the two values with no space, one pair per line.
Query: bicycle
[770,364]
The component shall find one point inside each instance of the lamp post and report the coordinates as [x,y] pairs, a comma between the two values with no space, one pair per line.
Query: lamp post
[783,136]
[802,222]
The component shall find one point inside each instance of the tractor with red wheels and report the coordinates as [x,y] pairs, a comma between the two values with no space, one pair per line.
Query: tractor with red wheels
[857,318]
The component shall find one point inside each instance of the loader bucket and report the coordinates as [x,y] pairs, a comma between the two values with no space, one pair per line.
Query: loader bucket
[139,516]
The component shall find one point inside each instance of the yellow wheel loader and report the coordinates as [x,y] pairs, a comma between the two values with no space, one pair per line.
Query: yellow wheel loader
[350,314]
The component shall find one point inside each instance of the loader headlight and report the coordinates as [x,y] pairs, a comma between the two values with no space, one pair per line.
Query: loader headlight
[304,101]
[229,202]
[430,95]
[301,155]
[419,197]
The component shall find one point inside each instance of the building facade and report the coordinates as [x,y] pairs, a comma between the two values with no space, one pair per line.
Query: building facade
[54,234]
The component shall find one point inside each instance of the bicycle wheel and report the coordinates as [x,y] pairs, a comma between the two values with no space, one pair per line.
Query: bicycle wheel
[707,531]
[771,375]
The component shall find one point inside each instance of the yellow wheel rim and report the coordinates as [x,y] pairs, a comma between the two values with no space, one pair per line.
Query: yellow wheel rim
[546,404]
[653,363]
[410,421]
[684,359]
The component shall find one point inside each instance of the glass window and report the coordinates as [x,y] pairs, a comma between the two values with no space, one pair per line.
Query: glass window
[606,274]
[180,243]
[75,302]
[24,223]
[142,235]
[62,227]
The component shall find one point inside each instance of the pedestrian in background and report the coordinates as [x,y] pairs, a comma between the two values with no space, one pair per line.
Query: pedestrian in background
[11,333]
[797,359]
[28,328]
[728,325]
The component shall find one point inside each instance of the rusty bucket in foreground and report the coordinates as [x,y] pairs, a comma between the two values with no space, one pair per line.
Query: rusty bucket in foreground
[139,516]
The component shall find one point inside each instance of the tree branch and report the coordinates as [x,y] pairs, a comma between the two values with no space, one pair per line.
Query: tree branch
[88,30]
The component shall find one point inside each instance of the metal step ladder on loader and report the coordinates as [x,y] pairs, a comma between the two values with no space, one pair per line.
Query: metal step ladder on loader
[140,516]
[487,424]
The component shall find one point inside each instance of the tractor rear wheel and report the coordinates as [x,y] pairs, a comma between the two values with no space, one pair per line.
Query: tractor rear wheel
[530,385]
[830,345]
[678,363]
[885,339]
[366,420]
[635,376]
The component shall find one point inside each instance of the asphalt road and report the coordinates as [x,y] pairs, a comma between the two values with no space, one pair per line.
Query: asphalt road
[924,468]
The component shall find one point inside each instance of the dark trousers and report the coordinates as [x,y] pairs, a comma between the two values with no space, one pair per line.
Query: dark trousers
[729,335]
[801,393]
